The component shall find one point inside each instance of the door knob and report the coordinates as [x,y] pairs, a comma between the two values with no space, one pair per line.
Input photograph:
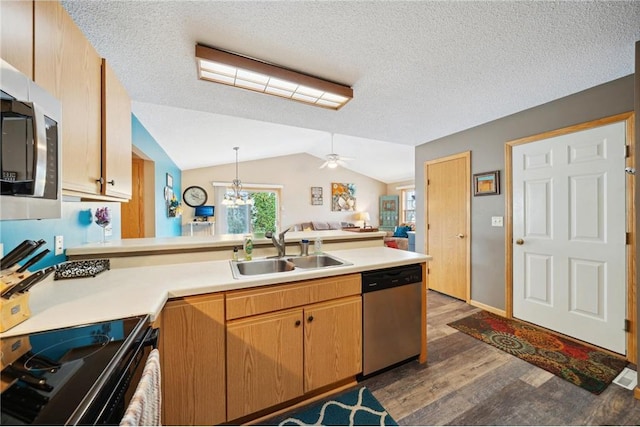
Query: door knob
[519,242]
[460,236]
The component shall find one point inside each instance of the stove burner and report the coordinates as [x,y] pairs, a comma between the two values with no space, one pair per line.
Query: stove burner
[75,349]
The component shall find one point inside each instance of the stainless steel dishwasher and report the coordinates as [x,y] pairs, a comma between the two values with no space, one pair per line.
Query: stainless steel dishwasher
[392,303]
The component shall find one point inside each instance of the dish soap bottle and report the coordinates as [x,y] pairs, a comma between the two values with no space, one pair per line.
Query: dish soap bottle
[235,253]
[248,247]
[317,246]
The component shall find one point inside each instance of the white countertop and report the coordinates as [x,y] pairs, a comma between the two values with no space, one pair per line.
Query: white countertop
[125,292]
[225,240]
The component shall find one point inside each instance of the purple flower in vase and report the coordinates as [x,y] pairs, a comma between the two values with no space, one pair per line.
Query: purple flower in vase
[103,216]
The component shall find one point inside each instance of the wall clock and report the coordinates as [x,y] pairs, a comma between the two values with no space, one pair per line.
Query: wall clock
[194,196]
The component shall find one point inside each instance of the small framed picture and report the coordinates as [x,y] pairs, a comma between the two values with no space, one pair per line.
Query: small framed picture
[169,180]
[486,183]
[316,195]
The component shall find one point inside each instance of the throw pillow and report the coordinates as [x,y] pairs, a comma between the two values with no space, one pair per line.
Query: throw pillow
[401,231]
[317,225]
[391,244]
[335,225]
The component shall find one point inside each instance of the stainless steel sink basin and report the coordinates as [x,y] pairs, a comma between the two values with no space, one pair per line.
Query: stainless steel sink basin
[315,261]
[261,266]
[282,265]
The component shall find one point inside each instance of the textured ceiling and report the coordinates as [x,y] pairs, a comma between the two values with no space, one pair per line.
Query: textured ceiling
[420,70]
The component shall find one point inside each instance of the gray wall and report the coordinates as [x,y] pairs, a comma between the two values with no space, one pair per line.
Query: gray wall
[486,143]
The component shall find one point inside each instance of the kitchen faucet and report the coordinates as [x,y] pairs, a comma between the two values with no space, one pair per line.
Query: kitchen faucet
[279,242]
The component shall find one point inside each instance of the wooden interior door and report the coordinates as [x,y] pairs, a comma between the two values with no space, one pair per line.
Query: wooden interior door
[133,211]
[448,224]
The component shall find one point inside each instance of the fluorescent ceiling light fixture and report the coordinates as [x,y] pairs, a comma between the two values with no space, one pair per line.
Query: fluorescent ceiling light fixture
[235,70]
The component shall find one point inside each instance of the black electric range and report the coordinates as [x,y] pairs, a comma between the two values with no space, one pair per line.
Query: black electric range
[77,375]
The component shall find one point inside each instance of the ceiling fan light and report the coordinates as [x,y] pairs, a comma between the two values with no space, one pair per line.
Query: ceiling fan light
[218,66]
[332,164]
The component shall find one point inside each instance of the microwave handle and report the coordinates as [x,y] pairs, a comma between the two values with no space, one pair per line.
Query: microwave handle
[40,151]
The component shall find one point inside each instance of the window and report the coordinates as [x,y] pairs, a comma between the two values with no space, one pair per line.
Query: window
[259,217]
[409,205]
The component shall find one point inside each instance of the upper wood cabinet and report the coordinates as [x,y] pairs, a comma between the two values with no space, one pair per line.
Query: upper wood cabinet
[16,34]
[116,136]
[192,354]
[96,109]
[68,67]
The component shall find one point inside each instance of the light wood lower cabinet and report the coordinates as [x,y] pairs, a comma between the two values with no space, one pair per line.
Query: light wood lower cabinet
[193,361]
[264,362]
[332,342]
[277,357]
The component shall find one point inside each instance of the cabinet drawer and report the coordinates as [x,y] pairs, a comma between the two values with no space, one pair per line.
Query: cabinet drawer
[272,298]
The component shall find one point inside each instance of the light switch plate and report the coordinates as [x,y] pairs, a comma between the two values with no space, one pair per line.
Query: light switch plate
[497,221]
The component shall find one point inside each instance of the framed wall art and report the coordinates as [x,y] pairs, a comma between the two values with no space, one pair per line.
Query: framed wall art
[316,195]
[343,197]
[486,183]
[169,180]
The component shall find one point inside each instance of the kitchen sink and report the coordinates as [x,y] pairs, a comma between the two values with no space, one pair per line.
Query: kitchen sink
[282,265]
[261,266]
[315,261]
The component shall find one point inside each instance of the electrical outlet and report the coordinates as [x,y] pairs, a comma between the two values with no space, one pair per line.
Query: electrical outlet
[496,221]
[59,245]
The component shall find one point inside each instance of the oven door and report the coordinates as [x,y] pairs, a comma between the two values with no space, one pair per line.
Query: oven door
[117,389]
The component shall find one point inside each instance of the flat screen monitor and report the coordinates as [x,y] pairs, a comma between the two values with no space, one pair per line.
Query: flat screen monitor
[204,211]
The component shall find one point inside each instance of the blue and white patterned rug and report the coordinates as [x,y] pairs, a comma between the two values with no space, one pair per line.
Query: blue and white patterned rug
[354,408]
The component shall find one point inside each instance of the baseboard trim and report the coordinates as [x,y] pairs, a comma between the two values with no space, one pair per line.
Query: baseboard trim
[488,308]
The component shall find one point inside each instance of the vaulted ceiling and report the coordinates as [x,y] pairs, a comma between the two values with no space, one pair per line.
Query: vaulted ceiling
[420,70]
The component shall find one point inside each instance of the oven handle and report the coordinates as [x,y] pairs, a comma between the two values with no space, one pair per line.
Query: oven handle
[151,338]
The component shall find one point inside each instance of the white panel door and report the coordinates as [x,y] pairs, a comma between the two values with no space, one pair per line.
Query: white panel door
[569,265]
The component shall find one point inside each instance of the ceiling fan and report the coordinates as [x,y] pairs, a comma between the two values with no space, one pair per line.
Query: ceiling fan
[334,160]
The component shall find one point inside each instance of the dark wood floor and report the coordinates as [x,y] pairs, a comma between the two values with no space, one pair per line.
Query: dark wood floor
[467,382]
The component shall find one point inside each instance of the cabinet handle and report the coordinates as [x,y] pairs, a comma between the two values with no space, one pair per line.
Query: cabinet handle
[298,322]
[100,181]
[310,319]
[112,182]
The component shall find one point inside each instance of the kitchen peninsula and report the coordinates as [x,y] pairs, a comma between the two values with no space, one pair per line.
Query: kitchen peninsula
[208,318]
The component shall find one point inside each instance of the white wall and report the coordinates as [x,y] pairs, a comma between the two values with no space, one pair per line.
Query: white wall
[297,174]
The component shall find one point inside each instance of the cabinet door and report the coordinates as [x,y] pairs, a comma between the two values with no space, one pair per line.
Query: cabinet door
[193,361]
[16,34]
[264,362]
[68,67]
[116,136]
[332,342]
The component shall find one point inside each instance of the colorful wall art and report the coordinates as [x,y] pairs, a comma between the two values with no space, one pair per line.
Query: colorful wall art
[343,197]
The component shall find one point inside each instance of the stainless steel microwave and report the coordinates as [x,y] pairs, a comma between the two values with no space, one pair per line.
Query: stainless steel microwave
[30,149]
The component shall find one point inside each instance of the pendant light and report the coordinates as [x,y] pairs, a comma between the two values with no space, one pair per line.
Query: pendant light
[238,198]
